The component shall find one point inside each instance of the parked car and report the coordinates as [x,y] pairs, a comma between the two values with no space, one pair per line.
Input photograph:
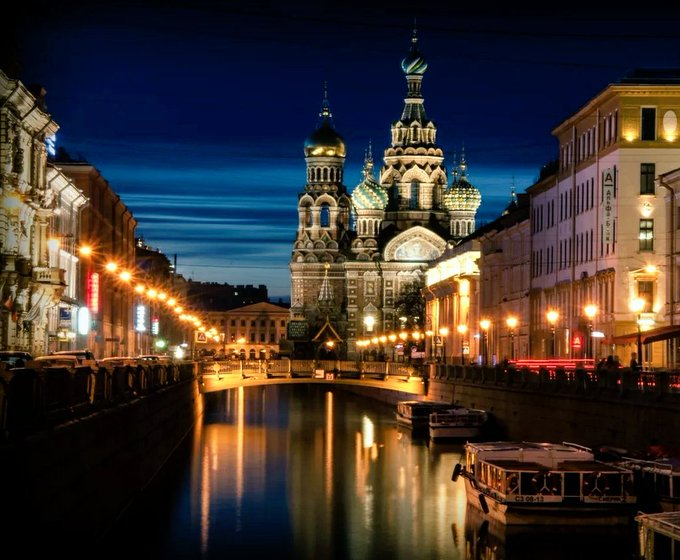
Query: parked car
[152,359]
[85,357]
[55,360]
[115,361]
[14,358]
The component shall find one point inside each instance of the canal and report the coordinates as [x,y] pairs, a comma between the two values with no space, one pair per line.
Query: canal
[303,472]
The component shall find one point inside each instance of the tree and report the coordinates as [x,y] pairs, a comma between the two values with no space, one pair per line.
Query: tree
[410,304]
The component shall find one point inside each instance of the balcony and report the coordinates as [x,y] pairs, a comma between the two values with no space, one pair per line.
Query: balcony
[53,276]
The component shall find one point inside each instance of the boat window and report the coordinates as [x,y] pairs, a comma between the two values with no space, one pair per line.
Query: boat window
[512,483]
[675,487]
[528,484]
[572,484]
[663,485]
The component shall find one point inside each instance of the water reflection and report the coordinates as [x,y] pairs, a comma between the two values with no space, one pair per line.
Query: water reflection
[301,472]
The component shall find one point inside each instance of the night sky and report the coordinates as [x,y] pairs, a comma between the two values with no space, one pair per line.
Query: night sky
[196,113]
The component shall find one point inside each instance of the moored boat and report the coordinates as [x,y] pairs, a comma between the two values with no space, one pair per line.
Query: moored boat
[657,482]
[416,414]
[531,483]
[457,422]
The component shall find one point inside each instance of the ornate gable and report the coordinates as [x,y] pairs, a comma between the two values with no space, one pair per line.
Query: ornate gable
[416,244]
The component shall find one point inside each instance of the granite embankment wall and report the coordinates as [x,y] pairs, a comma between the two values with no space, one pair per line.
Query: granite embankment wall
[631,420]
[63,487]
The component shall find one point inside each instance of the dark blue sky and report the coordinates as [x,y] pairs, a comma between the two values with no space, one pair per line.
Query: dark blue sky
[196,113]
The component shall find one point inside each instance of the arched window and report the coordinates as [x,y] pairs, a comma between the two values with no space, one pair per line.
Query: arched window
[415,190]
[308,216]
[325,215]
[252,353]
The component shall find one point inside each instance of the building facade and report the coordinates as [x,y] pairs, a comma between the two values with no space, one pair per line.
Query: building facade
[250,332]
[107,235]
[354,255]
[31,280]
[601,231]
[586,264]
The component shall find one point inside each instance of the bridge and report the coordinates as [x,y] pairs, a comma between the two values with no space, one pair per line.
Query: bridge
[400,377]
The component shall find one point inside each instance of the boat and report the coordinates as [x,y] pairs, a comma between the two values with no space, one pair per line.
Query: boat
[657,482]
[416,414]
[531,483]
[457,422]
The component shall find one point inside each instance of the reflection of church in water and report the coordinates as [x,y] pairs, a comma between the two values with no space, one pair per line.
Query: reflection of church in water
[354,254]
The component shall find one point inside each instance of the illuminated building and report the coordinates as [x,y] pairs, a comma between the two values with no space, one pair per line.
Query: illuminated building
[354,254]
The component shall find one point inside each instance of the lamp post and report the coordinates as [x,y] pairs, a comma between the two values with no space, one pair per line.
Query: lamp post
[552,315]
[462,329]
[444,332]
[430,334]
[485,324]
[590,310]
[393,339]
[512,324]
[636,306]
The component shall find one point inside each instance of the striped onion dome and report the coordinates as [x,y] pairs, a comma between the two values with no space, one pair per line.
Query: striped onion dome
[369,195]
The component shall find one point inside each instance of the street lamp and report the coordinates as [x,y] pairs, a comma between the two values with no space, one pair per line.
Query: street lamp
[369,321]
[393,339]
[462,329]
[444,332]
[590,311]
[485,324]
[552,315]
[512,324]
[430,334]
[636,306]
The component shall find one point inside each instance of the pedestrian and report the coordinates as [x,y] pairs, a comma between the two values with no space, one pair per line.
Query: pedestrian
[634,365]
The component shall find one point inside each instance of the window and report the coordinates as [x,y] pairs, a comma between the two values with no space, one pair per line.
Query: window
[243,322]
[647,174]
[415,189]
[646,235]
[262,337]
[233,322]
[325,215]
[648,123]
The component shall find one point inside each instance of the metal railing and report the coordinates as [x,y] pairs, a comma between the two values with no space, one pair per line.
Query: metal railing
[32,399]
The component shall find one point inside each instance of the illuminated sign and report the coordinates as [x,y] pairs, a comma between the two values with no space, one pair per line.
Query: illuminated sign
[93,292]
[608,206]
[201,337]
[140,319]
[154,325]
[83,320]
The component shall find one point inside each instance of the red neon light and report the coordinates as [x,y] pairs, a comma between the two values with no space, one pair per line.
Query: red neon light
[93,292]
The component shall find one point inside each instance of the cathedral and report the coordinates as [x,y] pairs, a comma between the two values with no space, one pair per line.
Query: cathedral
[356,254]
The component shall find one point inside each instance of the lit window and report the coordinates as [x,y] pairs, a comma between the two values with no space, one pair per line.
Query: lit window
[646,235]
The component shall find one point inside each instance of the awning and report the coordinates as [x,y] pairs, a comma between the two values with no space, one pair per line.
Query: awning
[672,331]
[647,337]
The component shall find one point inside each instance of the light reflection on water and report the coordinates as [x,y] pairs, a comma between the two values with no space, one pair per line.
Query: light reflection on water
[299,472]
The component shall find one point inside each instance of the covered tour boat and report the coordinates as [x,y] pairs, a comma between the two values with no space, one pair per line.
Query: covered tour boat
[529,483]
[416,414]
[457,422]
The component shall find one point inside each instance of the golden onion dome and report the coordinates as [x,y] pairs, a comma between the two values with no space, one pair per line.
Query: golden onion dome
[325,141]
